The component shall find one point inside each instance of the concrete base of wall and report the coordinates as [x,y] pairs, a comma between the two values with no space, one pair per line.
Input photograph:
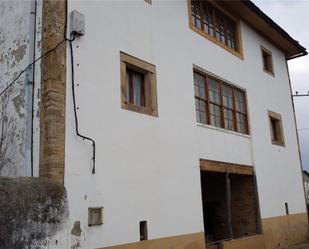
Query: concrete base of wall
[282,231]
[278,233]
[188,241]
[252,242]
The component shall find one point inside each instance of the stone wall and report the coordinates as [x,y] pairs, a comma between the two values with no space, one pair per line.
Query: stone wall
[243,206]
[34,214]
[53,91]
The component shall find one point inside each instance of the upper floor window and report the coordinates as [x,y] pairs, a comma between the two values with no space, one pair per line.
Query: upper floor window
[216,25]
[276,129]
[219,104]
[138,85]
[267,61]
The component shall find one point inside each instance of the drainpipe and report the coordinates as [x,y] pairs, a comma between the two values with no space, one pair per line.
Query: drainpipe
[30,87]
[297,137]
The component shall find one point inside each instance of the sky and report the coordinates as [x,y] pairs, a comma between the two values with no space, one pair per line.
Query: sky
[293,17]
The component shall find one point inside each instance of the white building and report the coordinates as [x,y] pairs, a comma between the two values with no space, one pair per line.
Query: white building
[190,109]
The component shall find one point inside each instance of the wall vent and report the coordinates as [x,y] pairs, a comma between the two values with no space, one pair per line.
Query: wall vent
[95,216]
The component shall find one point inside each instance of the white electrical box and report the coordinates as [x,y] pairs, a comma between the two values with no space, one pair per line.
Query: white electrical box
[77,23]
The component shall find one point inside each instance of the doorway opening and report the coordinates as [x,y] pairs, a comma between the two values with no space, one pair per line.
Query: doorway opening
[230,206]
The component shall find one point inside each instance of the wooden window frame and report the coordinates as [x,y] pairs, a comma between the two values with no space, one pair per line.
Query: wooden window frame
[277,117]
[238,40]
[270,56]
[222,83]
[150,85]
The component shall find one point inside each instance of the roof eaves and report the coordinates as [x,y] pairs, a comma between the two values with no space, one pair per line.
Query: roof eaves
[261,14]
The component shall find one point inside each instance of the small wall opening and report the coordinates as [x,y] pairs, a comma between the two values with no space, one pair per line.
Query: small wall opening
[287,208]
[143,231]
[229,206]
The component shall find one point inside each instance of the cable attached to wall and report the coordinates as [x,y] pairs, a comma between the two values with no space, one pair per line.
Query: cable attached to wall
[74,106]
[73,89]
[73,82]
[29,65]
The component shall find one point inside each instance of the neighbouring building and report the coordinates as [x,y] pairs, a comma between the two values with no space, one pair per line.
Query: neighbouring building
[146,125]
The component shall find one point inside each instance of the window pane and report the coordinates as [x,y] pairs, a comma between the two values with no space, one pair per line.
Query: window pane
[199,79]
[227,96]
[215,115]
[220,27]
[206,17]
[135,91]
[239,101]
[228,119]
[241,125]
[214,91]
[267,61]
[196,14]
[203,118]
[201,111]
[199,85]
[274,129]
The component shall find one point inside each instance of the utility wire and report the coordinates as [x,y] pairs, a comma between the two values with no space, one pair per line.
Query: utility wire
[73,88]
[27,67]
[73,83]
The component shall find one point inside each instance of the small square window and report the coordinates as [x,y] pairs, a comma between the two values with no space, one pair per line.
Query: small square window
[138,85]
[276,130]
[267,61]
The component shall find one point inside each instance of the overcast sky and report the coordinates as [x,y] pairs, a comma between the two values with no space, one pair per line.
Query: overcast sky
[293,17]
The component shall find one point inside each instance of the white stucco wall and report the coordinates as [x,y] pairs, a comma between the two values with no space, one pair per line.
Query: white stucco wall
[16,44]
[147,168]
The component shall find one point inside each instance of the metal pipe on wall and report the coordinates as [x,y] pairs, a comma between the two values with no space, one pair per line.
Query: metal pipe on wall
[30,86]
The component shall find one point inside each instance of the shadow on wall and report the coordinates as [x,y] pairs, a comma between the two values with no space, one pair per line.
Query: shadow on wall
[32,212]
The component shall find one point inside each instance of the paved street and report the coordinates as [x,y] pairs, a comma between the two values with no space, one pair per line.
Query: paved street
[304,245]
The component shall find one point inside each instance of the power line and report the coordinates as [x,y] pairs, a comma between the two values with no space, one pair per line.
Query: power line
[30,65]
[73,83]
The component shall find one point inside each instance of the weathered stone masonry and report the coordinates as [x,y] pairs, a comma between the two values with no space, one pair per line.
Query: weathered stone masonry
[53,91]
[33,219]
